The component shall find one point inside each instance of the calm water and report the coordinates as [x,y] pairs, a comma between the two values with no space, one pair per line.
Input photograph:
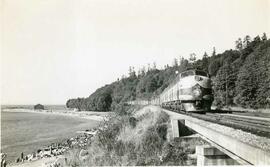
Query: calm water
[26,132]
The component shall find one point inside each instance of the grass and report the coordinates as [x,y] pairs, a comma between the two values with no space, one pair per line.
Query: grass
[132,138]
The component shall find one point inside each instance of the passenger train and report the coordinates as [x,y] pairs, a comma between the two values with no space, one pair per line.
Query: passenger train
[190,92]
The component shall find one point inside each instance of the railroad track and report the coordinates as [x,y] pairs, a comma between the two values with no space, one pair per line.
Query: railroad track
[254,126]
[258,127]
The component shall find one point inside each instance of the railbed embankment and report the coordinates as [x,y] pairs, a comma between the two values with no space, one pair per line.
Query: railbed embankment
[253,148]
[249,138]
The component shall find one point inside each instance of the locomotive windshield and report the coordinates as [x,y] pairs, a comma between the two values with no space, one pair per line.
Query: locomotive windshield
[201,73]
[193,72]
[187,73]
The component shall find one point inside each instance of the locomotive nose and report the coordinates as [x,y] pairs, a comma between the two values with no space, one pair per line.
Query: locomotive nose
[197,90]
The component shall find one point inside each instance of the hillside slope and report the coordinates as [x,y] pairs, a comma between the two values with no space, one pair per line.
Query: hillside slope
[240,77]
[135,138]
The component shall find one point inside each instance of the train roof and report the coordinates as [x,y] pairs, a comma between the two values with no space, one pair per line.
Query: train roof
[201,72]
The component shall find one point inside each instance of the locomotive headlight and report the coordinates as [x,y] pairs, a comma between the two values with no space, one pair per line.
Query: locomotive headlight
[197,92]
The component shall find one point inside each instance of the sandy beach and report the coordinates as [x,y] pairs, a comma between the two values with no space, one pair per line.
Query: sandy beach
[97,116]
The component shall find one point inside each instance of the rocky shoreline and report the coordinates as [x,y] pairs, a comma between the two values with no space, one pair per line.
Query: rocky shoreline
[54,150]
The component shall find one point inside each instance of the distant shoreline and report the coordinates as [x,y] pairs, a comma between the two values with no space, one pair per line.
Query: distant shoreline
[92,115]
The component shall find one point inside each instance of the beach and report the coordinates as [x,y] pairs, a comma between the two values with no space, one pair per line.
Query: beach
[93,115]
[26,130]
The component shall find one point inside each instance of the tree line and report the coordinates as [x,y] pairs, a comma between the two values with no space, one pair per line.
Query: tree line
[240,76]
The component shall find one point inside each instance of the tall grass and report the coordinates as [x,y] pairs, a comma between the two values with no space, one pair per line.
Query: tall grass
[128,140]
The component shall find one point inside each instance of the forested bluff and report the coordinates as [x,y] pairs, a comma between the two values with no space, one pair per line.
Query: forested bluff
[241,77]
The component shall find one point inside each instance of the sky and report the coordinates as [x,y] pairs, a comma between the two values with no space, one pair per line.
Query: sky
[53,50]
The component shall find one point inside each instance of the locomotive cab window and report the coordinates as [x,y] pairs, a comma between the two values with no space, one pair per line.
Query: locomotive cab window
[187,73]
[201,73]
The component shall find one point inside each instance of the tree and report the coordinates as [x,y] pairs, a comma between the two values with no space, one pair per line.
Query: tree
[192,57]
[224,86]
[239,77]
[256,41]
[264,37]
[148,67]
[205,62]
[239,44]
[123,76]
[246,41]
[143,71]
[252,86]
[130,71]
[183,64]
[245,87]
[166,66]
[175,63]
[154,66]
[205,55]
[214,51]
[104,102]
[214,66]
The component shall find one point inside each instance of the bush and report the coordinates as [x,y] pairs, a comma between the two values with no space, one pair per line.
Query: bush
[122,109]
[174,154]
[151,148]
[132,122]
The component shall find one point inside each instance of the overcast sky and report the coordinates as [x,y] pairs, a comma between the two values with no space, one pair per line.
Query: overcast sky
[53,50]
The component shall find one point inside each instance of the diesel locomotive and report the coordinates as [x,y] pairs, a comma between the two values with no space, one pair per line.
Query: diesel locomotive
[190,92]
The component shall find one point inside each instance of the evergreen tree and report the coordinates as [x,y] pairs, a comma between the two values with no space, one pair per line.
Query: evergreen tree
[256,41]
[214,52]
[154,66]
[131,72]
[175,63]
[246,41]
[264,37]
[205,62]
[148,67]
[239,44]
[192,57]
[205,55]
[240,77]
[224,86]
[214,66]
[143,71]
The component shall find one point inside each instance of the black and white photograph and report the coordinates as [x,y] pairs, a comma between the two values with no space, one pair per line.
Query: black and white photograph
[135,83]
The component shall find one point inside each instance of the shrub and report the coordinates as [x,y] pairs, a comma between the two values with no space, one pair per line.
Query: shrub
[151,148]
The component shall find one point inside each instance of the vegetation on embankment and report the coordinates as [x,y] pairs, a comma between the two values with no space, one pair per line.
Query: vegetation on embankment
[133,138]
[240,77]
